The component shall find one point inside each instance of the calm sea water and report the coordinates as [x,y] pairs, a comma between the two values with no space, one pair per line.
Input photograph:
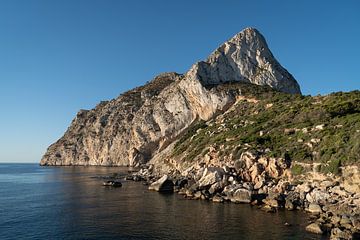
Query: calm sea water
[69,203]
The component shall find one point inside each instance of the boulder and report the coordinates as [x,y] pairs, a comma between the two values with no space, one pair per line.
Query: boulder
[215,188]
[337,233]
[259,182]
[317,196]
[271,202]
[314,228]
[210,176]
[197,195]
[345,222]
[292,200]
[268,209]
[314,208]
[289,205]
[340,191]
[164,184]
[217,199]
[241,196]
[355,220]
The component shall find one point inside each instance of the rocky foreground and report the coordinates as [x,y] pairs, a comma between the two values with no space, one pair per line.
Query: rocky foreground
[269,184]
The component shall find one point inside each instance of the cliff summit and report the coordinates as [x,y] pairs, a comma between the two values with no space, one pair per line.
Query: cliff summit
[131,129]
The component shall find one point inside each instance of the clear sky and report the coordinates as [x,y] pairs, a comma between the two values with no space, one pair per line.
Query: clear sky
[57,57]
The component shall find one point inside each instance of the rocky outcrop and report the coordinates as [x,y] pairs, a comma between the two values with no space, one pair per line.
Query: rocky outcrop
[334,209]
[141,123]
[245,57]
[164,184]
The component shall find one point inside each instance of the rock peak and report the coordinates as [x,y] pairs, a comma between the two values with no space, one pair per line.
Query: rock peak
[142,124]
[245,57]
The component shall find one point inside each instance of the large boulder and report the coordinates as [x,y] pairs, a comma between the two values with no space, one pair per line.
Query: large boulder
[210,176]
[314,228]
[164,184]
[241,195]
[314,208]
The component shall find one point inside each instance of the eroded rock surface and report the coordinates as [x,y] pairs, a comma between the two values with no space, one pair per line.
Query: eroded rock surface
[140,123]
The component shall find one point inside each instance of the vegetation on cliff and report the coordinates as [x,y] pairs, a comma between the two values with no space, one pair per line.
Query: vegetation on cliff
[321,129]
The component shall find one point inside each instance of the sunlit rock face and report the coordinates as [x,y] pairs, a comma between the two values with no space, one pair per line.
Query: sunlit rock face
[245,57]
[131,129]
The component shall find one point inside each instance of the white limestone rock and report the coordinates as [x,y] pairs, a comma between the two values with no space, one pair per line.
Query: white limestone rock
[245,57]
[141,123]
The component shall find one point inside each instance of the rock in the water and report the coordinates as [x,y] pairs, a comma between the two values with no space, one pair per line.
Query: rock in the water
[337,233]
[217,199]
[271,202]
[314,208]
[164,184]
[289,205]
[314,228]
[268,209]
[241,196]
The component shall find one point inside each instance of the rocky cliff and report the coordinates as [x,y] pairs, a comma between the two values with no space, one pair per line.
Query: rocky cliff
[273,150]
[141,123]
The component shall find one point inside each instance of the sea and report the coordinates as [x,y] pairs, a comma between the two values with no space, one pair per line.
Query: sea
[71,203]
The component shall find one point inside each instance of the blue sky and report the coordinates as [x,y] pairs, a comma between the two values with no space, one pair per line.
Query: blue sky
[57,57]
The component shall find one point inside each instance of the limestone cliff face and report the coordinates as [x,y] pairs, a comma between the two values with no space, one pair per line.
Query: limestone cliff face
[140,123]
[247,58]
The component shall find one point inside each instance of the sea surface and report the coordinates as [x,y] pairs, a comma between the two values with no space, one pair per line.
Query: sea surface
[71,203]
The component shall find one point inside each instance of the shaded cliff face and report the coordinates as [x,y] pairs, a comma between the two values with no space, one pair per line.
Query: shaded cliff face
[140,123]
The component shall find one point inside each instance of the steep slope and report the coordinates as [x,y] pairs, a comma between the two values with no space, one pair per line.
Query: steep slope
[274,150]
[139,124]
[321,130]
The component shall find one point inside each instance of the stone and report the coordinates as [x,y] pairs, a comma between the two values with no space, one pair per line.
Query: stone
[326,184]
[273,169]
[255,171]
[216,187]
[292,200]
[314,228]
[217,199]
[271,202]
[197,195]
[259,182]
[337,233]
[268,209]
[314,208]
[303,188]
[338,190]
[355,220]
[210,176]
[289,205]
[320,127]
[317,196]
[241,196]
[346,222]
[164,184]
[335,220]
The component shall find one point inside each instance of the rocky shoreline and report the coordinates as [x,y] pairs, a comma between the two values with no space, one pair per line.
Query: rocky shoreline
[268,184]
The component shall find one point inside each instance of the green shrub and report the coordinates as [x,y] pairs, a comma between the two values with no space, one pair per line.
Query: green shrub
[297,169]
[332,167]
